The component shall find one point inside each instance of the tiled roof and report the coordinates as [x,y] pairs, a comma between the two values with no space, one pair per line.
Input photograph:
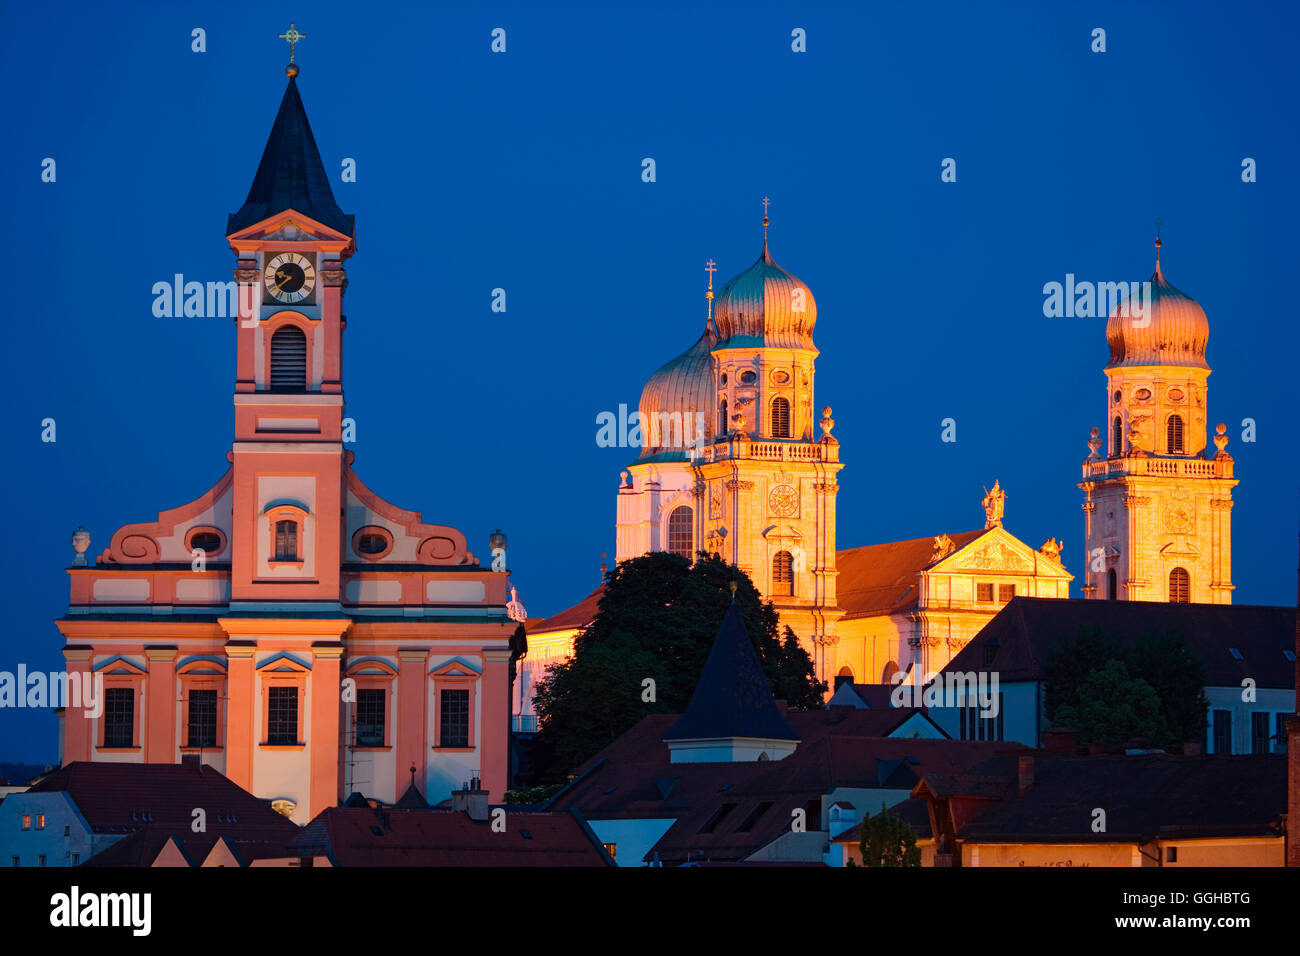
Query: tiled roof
[365,837]
[1145,796]
[914,811]
[291,174]
[1025,632]
[882,578]
[632,778]
[732,697]
[576,617]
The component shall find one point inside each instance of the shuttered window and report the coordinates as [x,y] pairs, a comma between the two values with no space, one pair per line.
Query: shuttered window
[1174,435]
[289,360]
[780,418]
[1180,586]
[783,574]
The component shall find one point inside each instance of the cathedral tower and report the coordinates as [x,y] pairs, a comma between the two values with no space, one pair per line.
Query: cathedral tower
[756,487]
[1158,504]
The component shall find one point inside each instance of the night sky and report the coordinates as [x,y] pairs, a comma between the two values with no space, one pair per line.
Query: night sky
[522,171]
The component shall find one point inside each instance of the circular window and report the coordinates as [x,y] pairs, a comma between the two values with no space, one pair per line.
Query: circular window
[1142,394]
[747,377]
[372,542]
[209,540]
[1175,394]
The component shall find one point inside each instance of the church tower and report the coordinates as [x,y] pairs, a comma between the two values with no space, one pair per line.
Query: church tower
[1158,505]
[756,487]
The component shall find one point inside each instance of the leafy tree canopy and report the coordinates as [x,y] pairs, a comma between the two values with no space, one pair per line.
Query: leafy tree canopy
[657,620]
[887,840]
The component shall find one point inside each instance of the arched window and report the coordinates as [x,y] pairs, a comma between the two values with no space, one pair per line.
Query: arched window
[783,574]
[1174,435]
[289,360]
[780,418]
[722,418]
[1112,586]
[286,541]
[1180,586]
[1117,438]
[681,532]
[845,676]
[890,675]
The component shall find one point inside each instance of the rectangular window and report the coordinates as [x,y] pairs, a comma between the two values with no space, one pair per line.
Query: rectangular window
[611,849]
[76,858]
[717,817]
[1222,730]
[40,859]
[1171,854]
[754,816]
[282,716]
[27,821]
[67,831]
[984,592]
[1259,732]
[15,859]
[40,821]
[119,717]
[203,719]
[1006,592]
[453,719]
[286,541]
[1280,743]
[370,717]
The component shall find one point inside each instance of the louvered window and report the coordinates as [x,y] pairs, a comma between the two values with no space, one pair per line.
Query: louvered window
[1174,435]
[723,427]
[289,360]
[1117,438]
[1180,586]
[780,418]
[783,574]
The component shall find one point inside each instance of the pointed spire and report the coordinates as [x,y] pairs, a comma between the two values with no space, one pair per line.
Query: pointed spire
[732,698]
[291,174]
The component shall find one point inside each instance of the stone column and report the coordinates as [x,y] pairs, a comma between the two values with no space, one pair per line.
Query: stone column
[78,725]
[323,739]
[494,735]
[410,735]
[160,703]
[241,704]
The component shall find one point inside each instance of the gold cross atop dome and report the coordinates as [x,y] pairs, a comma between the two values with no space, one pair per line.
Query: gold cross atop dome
[292,37]
[766,202]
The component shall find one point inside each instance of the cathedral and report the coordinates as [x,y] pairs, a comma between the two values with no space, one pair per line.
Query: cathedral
[289,626]
[731,464]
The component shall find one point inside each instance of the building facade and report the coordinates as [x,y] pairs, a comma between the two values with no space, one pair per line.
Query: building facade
[1158,505]
[300,633]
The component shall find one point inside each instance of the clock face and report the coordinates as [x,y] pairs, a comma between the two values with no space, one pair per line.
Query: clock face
[783,501]
[290,277]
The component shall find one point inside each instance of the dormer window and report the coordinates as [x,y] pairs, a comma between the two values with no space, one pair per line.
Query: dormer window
[286,541]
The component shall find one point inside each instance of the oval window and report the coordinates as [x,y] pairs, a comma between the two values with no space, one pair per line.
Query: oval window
[1142,394]
[1176,394]
[724,378]
[372,544]
[206,541]
[1118,394]
[780,376]
[747,377]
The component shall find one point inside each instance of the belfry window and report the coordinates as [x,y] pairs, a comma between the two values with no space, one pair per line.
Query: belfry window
[722,418]
[1117,438]
[1112,586]
[1180,586]
[780,418]
[1174,435]
[783,574]
[289,360]
[286,541]
[681,532]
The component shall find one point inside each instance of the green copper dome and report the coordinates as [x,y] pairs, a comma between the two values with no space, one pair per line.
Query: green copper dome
[675,400]
[765,307]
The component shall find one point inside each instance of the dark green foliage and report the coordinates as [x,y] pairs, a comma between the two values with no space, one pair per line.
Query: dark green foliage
[657,619]
[1110,694]
[888,841]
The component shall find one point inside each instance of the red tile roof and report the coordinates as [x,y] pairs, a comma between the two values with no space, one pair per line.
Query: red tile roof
[578,616]
[882,578]
[633,779]
[365,837]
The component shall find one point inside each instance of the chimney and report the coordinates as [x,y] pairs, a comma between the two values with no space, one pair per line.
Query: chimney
[472,800]
[1025,783]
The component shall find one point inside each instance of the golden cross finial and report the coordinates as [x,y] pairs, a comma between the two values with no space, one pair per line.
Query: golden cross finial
[766,203]
[710,267]
[1158,225]
[293,36]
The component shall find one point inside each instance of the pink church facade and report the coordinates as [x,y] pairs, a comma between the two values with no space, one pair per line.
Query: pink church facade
[306,637]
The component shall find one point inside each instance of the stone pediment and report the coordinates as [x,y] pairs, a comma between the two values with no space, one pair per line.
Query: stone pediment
[999,551]
[776,531]
[1184,549]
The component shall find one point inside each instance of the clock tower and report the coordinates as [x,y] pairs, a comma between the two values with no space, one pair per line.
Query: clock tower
[1158,503]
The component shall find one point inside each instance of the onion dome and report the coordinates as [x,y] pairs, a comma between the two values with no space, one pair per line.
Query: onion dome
[1172,330]
[682,390]
[765,307]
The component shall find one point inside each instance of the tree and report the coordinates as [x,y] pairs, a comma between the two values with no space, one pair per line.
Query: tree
[1110,694]
[888,840]
[657,621]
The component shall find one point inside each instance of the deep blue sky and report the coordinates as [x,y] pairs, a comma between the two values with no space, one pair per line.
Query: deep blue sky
[522,171]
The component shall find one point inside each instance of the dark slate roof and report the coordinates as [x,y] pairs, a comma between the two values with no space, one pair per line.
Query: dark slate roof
[291,175]
[366,837]
[1146,796]
[411,800]
[914,811]
[634,779]
[1023,635]
[732,697]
